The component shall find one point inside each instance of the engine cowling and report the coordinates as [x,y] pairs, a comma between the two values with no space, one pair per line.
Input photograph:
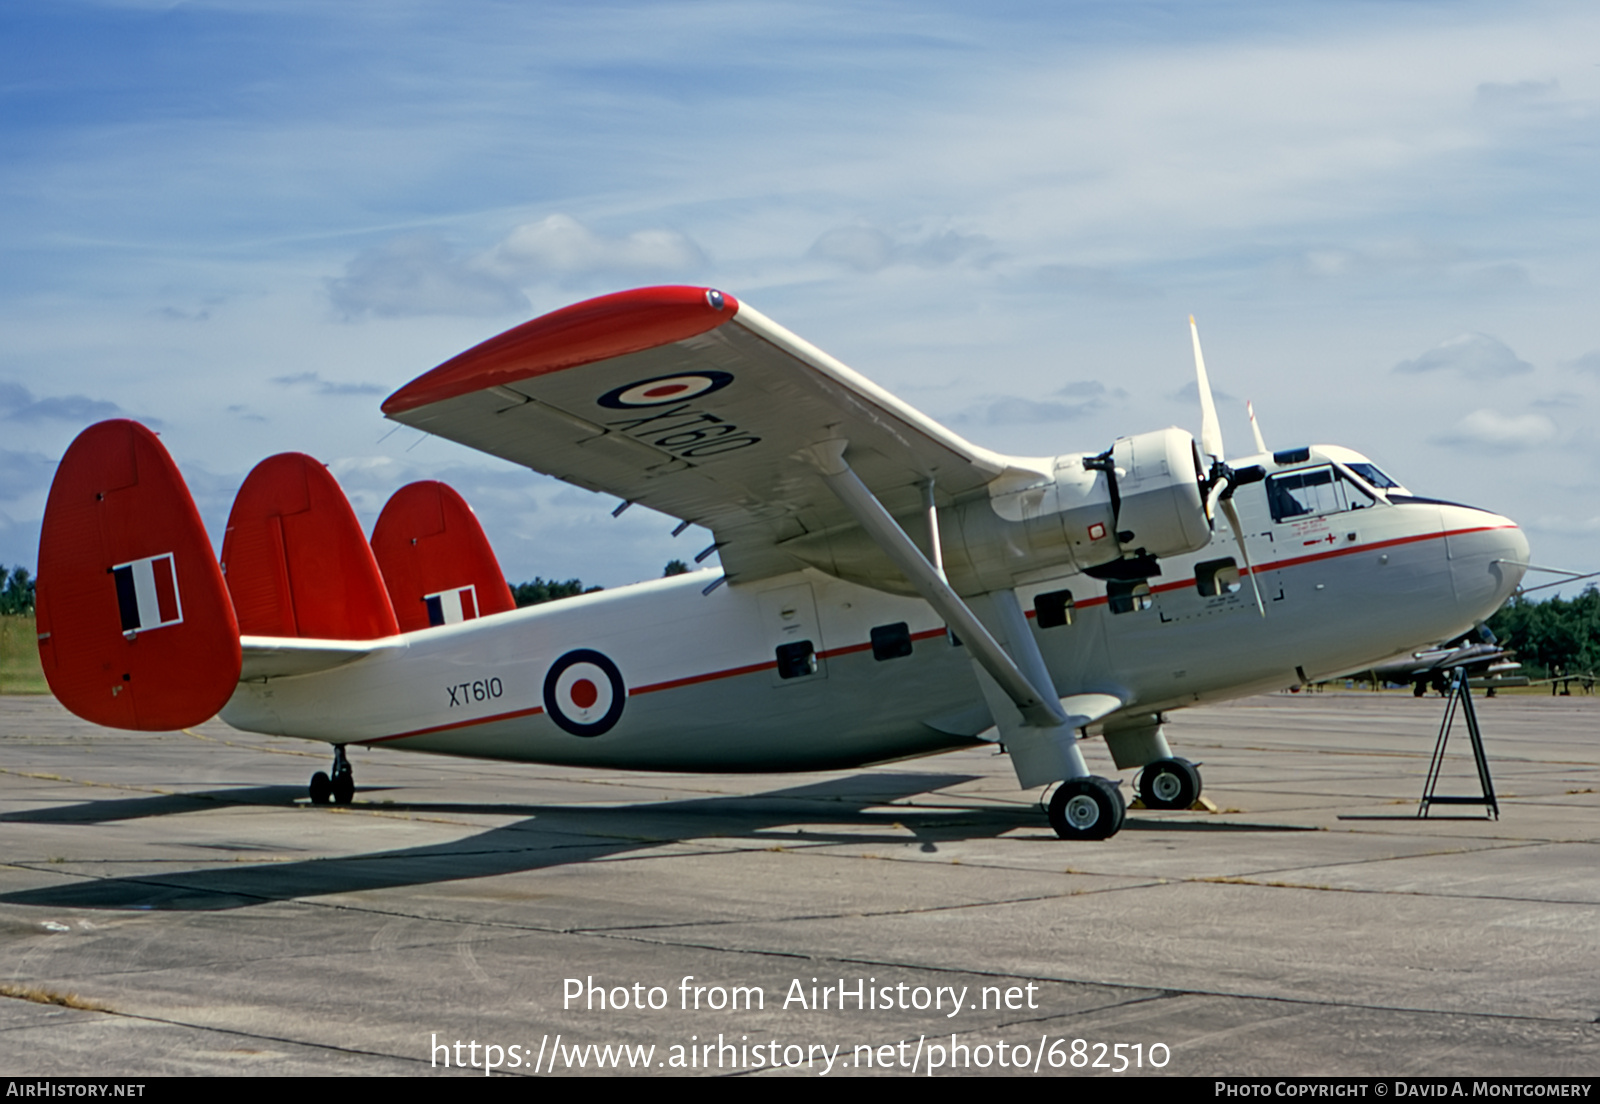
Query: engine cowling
[1139,499]
[1160,511]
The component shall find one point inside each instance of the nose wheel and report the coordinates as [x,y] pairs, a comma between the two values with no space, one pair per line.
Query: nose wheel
[340,788]
[1086,809]
[1169,784]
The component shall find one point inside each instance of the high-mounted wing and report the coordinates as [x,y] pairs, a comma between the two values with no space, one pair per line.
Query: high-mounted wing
[691,403]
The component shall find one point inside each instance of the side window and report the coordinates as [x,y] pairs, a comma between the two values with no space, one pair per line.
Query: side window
[891,641]
[1356,496]
[796,660]
[1052,610]
[1214,578]
[1128,597]
[1305,493]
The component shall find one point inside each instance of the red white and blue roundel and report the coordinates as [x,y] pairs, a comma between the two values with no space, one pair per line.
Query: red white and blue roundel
[584,693]
[665,389]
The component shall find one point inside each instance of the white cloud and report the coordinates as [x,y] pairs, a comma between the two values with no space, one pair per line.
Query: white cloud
[1588,362]
[422,274]
[1495,430]
[417,275]
[24,473]
[330,387]
[1497,95]
[1563,523]
[1476,356]
[868,249]
[560,246]
[19,405]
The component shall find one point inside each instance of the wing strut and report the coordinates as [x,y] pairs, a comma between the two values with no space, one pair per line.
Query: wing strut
[1039,709]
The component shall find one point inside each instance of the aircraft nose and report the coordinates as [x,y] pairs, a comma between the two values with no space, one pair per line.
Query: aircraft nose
[1488,557]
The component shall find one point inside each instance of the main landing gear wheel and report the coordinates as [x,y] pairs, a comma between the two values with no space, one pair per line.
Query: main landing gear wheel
[1169,784]
[341,788]
[1086,809]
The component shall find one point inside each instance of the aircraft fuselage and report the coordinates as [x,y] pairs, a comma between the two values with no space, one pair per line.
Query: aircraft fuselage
[788,673]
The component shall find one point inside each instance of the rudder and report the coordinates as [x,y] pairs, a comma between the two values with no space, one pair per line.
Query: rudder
[296,561]
[135,627]
[436,562]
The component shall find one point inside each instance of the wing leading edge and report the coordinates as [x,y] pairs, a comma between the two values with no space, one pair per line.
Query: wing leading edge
[689,402]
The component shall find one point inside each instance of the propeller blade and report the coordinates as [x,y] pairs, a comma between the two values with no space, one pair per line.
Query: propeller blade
[1232,513]
[1220,486]
[1210,428]
[1250,408]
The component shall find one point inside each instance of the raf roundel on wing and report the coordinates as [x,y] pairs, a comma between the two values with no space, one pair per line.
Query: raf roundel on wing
[665,389]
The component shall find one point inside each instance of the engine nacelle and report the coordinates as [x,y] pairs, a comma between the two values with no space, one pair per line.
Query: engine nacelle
[1160,509]
[1140,499]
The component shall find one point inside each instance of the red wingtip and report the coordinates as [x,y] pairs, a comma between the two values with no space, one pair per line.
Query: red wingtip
[597,329]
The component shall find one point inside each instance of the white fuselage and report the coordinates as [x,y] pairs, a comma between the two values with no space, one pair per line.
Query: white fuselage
[701,686]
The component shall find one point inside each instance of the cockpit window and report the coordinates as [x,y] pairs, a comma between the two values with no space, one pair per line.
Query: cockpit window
[1374,475]
[1311,492]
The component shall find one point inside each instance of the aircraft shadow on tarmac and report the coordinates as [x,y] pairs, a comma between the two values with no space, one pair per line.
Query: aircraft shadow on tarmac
[552,835]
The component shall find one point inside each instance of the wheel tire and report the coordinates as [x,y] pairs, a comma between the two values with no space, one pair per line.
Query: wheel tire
[321,788]
[1169,784]
[1086,809]
[344,789]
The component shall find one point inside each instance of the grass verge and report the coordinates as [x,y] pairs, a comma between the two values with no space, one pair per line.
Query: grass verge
[20,672]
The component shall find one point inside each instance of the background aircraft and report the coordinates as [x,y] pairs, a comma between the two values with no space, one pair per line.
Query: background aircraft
[891,589]
[1476,649]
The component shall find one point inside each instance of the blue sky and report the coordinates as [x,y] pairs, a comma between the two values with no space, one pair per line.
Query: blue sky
[246,222]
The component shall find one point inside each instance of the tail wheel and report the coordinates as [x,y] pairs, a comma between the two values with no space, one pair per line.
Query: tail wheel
[1169,784]
[1086,809]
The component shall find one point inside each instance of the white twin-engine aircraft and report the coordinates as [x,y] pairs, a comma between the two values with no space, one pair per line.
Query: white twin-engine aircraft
[892,589]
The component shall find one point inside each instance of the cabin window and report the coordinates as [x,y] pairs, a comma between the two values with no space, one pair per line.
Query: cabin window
[1215,578]
[1374,475]
[891,641]
[1313,492]
[796,659]
[1128,597]
[1052,610]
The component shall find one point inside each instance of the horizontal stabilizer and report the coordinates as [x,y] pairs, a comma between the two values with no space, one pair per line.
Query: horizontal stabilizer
[295,558]
[135,627]
[436,562]
[280,657]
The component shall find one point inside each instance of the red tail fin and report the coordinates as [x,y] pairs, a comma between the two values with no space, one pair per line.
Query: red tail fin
[435,560]
[135,627]
[295,558]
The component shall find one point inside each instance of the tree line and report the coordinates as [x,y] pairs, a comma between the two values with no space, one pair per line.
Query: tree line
[16,590]
[1555,636]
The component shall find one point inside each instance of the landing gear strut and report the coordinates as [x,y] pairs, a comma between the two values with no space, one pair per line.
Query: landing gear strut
[341,788]
[1169,784]
[1086,809]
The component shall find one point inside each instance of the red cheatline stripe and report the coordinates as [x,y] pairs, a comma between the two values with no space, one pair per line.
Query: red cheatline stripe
[458,724]
[673,684]
[1299,561]
[734,672]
